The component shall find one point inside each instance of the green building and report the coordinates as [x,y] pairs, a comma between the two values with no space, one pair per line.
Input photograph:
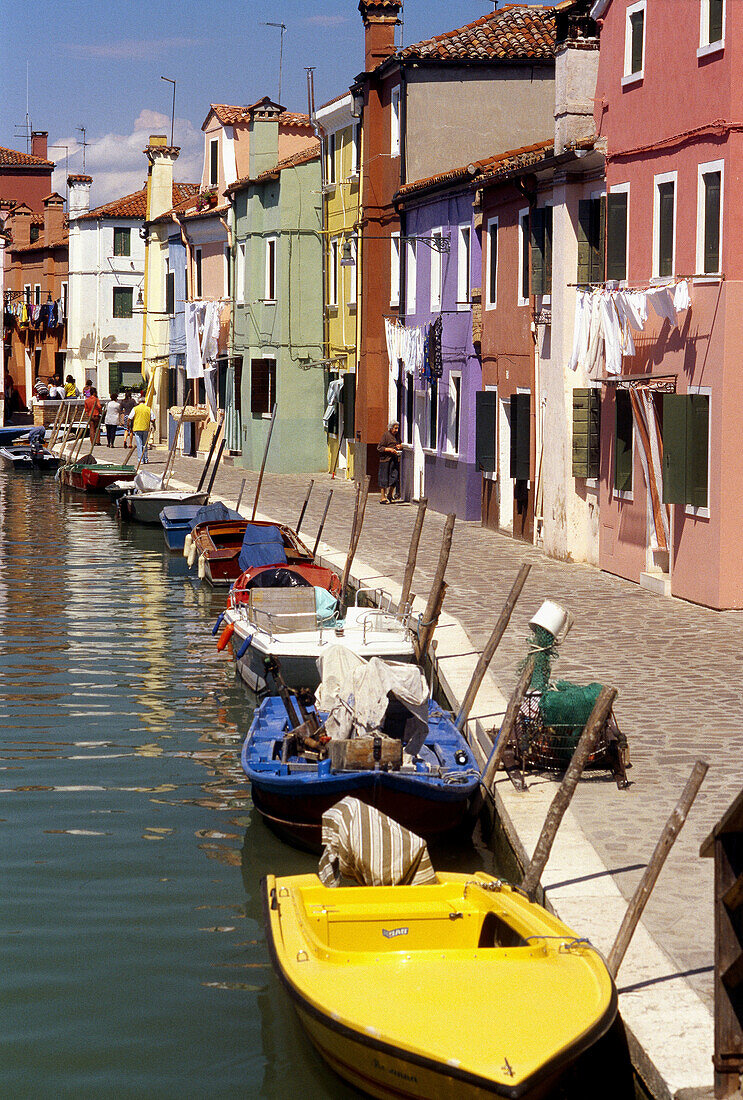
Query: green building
[277,300]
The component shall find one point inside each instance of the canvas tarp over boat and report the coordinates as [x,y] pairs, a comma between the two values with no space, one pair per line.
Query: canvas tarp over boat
[261,546]
[363,844]
[213,513]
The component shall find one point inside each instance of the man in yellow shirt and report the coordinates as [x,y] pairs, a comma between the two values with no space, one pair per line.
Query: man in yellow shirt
[140,418]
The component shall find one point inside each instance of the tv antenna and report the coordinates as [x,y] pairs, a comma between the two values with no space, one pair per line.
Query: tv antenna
[282,28]
[84,143]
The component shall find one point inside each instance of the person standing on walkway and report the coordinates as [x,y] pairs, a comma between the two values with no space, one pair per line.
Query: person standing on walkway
[93,409]
[389,448]
[140,418]
[127,403]
[113,411]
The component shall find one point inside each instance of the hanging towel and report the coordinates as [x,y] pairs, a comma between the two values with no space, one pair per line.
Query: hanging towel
[651,457]
[681,297]
[581,328]
[194,364]
[661,300]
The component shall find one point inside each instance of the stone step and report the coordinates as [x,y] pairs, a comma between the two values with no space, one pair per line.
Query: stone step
[657,582]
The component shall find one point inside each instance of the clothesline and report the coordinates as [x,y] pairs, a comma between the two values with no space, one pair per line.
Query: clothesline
[655,284]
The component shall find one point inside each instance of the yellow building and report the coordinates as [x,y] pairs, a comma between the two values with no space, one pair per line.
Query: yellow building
[341,167]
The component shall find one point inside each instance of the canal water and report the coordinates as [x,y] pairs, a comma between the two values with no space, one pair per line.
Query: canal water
[133,957]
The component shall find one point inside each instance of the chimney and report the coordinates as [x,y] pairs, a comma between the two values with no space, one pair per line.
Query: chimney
[162,157]
[576,70]
[263,148]
[79,192]
[38,143]
[380,19]
[19,224]
[53,217]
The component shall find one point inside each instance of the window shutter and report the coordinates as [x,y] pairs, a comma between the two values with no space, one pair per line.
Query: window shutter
[616,235]
[349,405]
[674,448]
[623,438]
[547,250]
[259,387]
[598,240]
[712,221]
[584,242]
[666,198]
[715,20]
[697,449]
[520,440]
[485,408]
[537,251]
[586,428]
[170,293]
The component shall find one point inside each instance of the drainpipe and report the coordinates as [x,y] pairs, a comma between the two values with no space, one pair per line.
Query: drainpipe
[321,136]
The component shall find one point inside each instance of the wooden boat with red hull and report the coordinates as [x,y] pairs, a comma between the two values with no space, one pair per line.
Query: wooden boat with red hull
[220,545]
[295,576]
[95,479]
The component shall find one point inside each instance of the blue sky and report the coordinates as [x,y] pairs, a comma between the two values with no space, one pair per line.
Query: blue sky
[98,63]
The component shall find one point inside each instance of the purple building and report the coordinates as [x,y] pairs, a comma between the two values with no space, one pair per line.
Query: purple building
[440,263]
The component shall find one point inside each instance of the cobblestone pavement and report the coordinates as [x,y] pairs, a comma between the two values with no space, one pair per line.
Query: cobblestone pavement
[677,668]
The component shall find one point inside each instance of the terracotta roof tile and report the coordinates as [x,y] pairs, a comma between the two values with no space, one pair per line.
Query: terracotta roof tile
[79,177]
[60,241]
[481,170]
[11,158]
[514,32]
[135,205]
[230,115]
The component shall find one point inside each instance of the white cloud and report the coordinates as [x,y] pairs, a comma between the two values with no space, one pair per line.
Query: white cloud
[117,162]
[132,49]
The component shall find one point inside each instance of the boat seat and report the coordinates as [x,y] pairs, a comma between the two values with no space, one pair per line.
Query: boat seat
[283,609]
[495,932]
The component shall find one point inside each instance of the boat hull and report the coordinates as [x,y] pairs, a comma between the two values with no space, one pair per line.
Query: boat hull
[96,479]
[146,507]
[25,458]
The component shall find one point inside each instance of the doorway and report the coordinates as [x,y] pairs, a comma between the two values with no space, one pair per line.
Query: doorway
[505,481]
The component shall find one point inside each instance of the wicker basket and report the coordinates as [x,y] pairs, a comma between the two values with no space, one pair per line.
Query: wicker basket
[191,414]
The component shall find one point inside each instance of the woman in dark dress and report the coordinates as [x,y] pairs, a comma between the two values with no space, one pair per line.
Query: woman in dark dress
[389,448]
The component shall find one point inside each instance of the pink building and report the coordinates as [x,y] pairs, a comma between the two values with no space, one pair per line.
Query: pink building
[665,105]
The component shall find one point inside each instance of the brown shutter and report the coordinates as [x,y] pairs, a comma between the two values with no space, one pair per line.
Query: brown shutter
[259,387]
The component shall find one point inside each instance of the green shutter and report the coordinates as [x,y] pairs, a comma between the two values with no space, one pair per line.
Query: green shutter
[584,242]
[715,21]
[520,436]
[536,234]
[170,293]
[349,405]
[666,200]
[712,183]
[485,412]
[547,250]
[616,235]
[637,24]
[697,449]
[674,448]
[623,438]
[586,432]
[598,240]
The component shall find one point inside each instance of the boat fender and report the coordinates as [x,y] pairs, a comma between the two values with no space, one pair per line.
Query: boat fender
[225,636]
[244,647]
[187,546]
[215,628]
[191,555]
[202,567]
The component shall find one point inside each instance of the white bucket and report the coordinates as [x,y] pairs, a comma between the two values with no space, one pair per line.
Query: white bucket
[553,618]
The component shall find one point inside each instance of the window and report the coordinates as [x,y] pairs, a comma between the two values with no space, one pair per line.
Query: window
[330,159]
[227,272]
[395,269]
[122,304]
[64,298]
[409,406]
[395,123]
[411,274]
[37,294]
[591,241]
[197,263]
[262,386]
[586,432]
[617,223]
[454,411]
[27,293]
[34,234]
[122,241]
[333,274]
[709,218]
[634,43]
[711,27]
[523,286]
[435,275]
[491,277]
[541,250]
[355,149]
[170,292]
[240,273]
[464,244]
[433,414]
[686,450]
[214,162]
[352,274]
[664,224]
[270,289]
[623,439]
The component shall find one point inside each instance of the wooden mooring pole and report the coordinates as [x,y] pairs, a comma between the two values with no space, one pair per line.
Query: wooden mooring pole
[263,463]
[561,801]
[304,506]
[438,588]
[322,523]
[362,492]
[644,889]
[509,721]
[415,539]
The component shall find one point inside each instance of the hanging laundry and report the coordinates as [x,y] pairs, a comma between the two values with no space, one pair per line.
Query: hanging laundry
[435,356]
[681,296]
[581,328]
[661,300]
[333,397]
[210,335]
[644,414]
[194,312]
[595,337]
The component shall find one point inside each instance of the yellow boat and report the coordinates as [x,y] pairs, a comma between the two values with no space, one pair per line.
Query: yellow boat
[460,989]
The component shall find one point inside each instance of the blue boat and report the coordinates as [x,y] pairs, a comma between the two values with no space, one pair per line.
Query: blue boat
[179,520]
[431,795]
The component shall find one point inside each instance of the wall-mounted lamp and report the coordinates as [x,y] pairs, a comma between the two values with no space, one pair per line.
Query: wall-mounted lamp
[140,298]
[437,243]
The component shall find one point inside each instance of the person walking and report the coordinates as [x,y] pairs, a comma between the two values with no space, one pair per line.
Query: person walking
[389,448]
[140,418]
[93,409]
[127,403]
[111,420]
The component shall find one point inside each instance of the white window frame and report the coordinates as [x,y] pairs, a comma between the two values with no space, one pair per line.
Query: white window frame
[663,177]
[355,148]
[333,258]
[436,273]
[395,121]
[628,77]
[27,294]
[492,223]
[271,240]
[454,407]
[212,143]
[240,272]
[523,213]
[352,275]
[705,46]
[330,149]
[395,269]
[708,168]
[689,509]
[64,298]
[464,266]
[37,294]
[411,275]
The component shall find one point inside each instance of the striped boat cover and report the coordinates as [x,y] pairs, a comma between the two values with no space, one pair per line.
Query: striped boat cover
[651,457]
[363,844]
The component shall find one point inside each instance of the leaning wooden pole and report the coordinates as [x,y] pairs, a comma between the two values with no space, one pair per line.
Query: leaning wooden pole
[415,538]
[492,644]
[55,425]
[322,523]
[359,512]
[240,495]
[641,895]
[507,725]
[430,615]
[263,463]
[561,801]
[304,506]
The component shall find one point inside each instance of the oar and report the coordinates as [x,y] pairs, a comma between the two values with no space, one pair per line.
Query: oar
[263,463]
[322,523]
[304,506]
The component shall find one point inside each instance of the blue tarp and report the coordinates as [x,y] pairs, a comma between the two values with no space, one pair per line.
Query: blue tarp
[261,546]
[214,513]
